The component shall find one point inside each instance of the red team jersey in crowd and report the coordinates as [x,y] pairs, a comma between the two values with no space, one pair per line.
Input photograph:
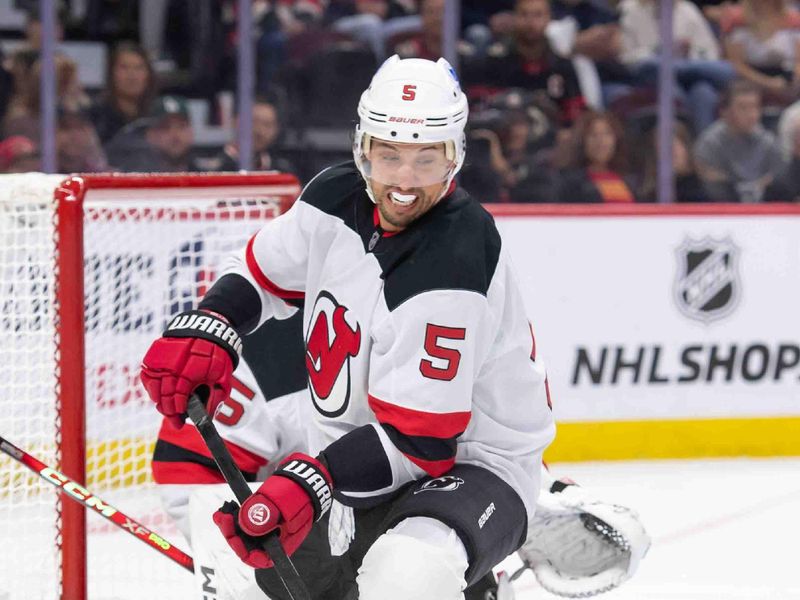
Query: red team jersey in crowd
[418,348]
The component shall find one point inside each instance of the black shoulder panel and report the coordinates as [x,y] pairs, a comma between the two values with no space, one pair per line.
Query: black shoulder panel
[334,190]
[454,246]
[275,354]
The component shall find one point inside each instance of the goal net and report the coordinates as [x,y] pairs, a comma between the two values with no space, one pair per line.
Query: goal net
[91,269]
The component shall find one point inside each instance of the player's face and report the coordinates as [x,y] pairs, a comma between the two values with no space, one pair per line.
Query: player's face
[406,180]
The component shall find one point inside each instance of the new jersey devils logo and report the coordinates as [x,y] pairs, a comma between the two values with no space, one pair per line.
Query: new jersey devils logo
[329,345]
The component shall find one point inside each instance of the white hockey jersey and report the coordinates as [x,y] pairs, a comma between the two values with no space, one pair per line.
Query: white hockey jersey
[418,348]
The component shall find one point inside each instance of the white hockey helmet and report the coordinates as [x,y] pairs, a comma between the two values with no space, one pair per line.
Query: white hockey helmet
[412,101]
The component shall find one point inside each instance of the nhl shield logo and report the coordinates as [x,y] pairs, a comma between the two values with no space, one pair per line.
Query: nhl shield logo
[707,285]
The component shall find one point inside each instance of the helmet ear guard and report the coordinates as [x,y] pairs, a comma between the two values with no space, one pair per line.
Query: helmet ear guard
[412,101]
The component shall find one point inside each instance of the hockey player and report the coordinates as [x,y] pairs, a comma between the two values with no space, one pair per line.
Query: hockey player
[577,545]
[430,412]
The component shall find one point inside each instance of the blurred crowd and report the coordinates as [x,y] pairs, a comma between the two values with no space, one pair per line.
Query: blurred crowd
[563,93]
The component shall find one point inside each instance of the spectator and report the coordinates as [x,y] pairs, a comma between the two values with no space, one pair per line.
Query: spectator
[427,43]
[374,21]
[694,38]
[595,170]
[23,115]
[483,21]
[588,33]
[528,62]
[19,154]
[597,33]
[78,148]
[688,186]
[736,157]
[730,15]
[279,22]
[69,89]
[6,85]
[167,143]
[33,27]
[700,74]
[786,185]
[199,44]
[786,128]
[506,166]
[111,20]
[764,50]
[266,132]
[131,88]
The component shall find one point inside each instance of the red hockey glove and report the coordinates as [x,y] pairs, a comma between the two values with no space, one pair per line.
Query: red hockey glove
[296,496]
[197,348]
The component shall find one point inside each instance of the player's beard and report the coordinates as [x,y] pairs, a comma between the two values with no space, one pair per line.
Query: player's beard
[398,216]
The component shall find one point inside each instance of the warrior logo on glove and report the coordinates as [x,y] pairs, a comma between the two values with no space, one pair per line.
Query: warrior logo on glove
[259,514]
[310,476]
[290,501]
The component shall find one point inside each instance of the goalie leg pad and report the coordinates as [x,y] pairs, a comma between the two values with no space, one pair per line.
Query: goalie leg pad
[420,558]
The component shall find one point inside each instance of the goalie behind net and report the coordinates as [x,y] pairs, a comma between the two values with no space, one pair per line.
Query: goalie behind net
[151,246]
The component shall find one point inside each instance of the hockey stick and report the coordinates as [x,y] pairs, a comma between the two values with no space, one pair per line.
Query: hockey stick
[78,493]
[283,565]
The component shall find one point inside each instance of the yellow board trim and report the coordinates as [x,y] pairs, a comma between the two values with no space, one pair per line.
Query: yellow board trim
[626,440]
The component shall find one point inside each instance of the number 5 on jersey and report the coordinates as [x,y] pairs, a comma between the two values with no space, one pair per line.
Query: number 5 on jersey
[450,357]
[232,410]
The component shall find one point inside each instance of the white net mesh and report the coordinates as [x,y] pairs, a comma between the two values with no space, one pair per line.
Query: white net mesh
[28,417]
[147,255]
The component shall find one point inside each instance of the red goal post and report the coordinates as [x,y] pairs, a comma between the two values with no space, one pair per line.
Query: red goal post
[91,268]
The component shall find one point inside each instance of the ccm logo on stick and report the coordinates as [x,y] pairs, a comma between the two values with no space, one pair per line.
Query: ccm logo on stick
[78,491]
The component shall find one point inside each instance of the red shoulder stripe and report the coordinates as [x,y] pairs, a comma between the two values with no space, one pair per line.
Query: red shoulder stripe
[263,280]
[434,468]
[421,423]
[189,438]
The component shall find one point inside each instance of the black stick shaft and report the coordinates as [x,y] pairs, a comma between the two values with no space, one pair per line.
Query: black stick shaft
[283,565]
